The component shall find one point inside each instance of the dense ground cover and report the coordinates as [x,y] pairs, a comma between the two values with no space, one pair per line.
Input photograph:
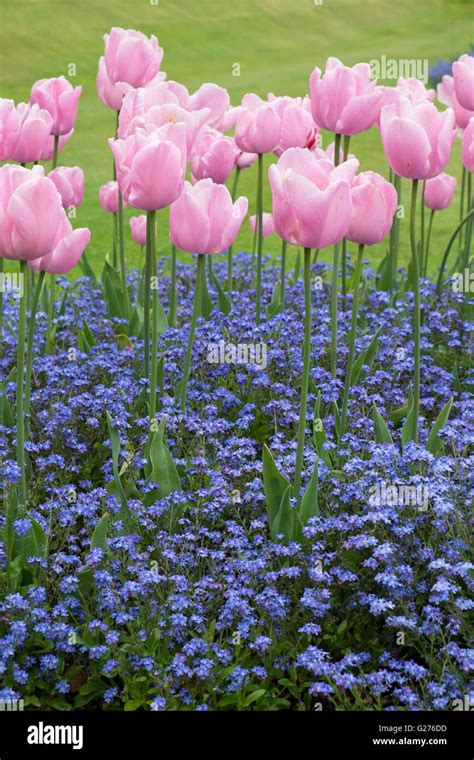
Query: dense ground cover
[183,601]
[203,45]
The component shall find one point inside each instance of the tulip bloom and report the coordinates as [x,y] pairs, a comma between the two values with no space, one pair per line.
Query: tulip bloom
[151,167]
[213,97]
[344,100]
[60,99]
[212,156]
[137,103]
[69,181]
[468,146]
[24,131]
[447,95]
[257,128]
[203,220]
[30,213]
[463,74]
[131,57]
[111,95]
[267,226]
[417,139]
[109,196]
[374,202]
[311,198]
[245,160]
[297,128]
[439,191]
[138,228]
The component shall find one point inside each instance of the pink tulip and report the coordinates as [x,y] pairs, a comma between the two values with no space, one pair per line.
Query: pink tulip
[109,197]
[69,247]
[204,220]
[311,198]
[137,103]
[131,57]
[69,181]
[468,146]
[110,94]
[24,131]
[447,95]
[60,99]
[227,120]
[245,160]
[410,88]
[138,227]
[439,191]
[170,113]
[151,168]
[297,128]
[463,73]
[257,128]
[213,155]
[374,202]
[210,96]
[267,224]
[344,100]
[48,151]
[181,93]
[417,139]
[30,213]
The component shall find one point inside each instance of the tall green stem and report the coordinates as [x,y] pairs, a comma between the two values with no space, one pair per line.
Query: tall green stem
[230,250]
[260,237]
[467,241]
[192,330]
[345,149]
[352,337]
[31,335]
[123,272]
[146,303]
[283,271]
[416,312]
[54,162]
[20,416]
[427,246]
[335,278]
[305,375]
[172,311]
[114,213]
[151,216]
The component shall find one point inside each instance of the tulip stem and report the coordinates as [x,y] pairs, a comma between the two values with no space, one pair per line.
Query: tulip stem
[345,149]
[463,192]
[51,300]
[305,375]
[283,271]
[260,237]
[151,216]
[54,162]
[230,249]
[114,213]
[192,329]
[352,337]
[172,311]
[123,272]
[467,241]
[146,302]
[416,312]
[394,235]
[20,417]
[335,277]
[31,334]
[427,246]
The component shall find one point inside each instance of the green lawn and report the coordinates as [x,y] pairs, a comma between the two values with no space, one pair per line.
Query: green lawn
[276,42]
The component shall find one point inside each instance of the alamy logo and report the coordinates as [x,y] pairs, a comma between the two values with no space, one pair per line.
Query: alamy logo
[254,354]
[12,705]
[399,496]
[41,734]
[393,68]
[463,704]
[12,282]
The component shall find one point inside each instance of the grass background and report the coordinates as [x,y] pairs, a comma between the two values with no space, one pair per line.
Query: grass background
[277,44]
